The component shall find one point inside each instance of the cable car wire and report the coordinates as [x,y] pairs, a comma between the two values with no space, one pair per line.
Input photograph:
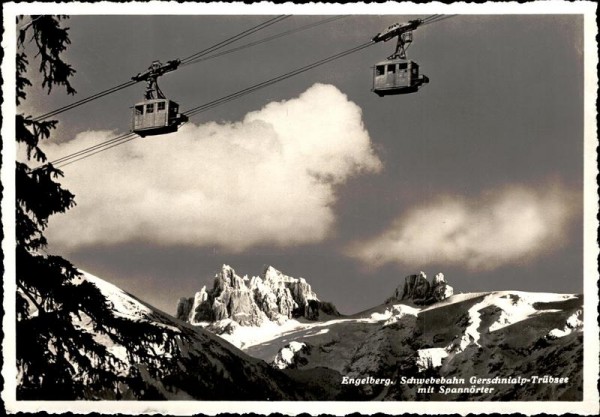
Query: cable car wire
[439,19]
[87,152]
[270,38]
[91,148]
[121,139]
[113,143]
[195,60]
[186,61]
[194,111]
[85,100]
[199,56]
[191,57]
[432,17]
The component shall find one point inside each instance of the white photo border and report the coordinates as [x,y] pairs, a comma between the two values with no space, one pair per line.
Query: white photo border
[591,399]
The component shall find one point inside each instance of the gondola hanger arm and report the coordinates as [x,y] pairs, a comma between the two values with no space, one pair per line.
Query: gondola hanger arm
[397,29]
[156,69]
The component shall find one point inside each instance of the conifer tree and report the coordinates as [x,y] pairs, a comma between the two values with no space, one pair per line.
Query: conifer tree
[65,327]
[60,315]
[50,349]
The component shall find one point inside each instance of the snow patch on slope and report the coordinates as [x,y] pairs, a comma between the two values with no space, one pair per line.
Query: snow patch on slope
[285,357]
[515,306]
[574,324]
[454,299]
[243,337]
[122,303]
[430,358]
[393,314]
[519,308]
[471,334]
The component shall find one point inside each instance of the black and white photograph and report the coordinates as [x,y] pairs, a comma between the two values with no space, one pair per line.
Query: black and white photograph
[317,208]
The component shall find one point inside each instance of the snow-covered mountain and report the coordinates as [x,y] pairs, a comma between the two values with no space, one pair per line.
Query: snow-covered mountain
[267,301]
[425,329]
[154,356]
[506,333]
[422,330]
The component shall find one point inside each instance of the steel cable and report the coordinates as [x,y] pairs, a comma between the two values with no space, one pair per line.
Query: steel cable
[93,150]
[87,152]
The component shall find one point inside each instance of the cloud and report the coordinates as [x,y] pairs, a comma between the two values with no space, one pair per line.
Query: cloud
[517,224]
[269,179]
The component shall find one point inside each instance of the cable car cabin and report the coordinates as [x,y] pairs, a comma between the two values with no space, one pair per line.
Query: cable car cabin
[397,76]
[156,117]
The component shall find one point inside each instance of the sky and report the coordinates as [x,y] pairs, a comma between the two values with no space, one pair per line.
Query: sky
[479,175]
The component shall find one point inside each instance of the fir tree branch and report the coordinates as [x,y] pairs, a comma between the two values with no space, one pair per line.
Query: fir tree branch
[31,297]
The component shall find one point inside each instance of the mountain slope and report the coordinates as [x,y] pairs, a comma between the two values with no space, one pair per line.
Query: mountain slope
[502,334]
[150,355]
[422,330]
[506,333]
[419,332]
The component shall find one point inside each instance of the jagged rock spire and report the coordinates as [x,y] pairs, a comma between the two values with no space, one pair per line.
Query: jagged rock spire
[273,296]
[418,289]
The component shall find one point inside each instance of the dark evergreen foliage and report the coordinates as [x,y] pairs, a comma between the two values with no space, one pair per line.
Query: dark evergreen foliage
[65,326]
[56,360]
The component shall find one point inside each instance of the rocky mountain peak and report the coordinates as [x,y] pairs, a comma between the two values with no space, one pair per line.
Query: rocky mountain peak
[273,296]
[228,278]
[272,274]
[418,289]
[439,278]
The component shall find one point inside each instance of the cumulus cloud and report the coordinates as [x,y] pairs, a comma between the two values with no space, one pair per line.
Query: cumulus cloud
[517,224]
[268,179]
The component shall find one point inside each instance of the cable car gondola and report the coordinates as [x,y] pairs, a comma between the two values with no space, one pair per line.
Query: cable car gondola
[156,115]
[397,75]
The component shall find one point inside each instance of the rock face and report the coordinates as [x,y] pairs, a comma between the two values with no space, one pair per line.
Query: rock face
[252,301]
[417,289]
[440,288]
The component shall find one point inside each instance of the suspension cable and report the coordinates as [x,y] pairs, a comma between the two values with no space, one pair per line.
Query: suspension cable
[439,19]
[92,150]
[264,40]
[430,18]
[105,146]
[85,100]
[191,57]
[200,56]
[232,39]
[214,103]
[121,139]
